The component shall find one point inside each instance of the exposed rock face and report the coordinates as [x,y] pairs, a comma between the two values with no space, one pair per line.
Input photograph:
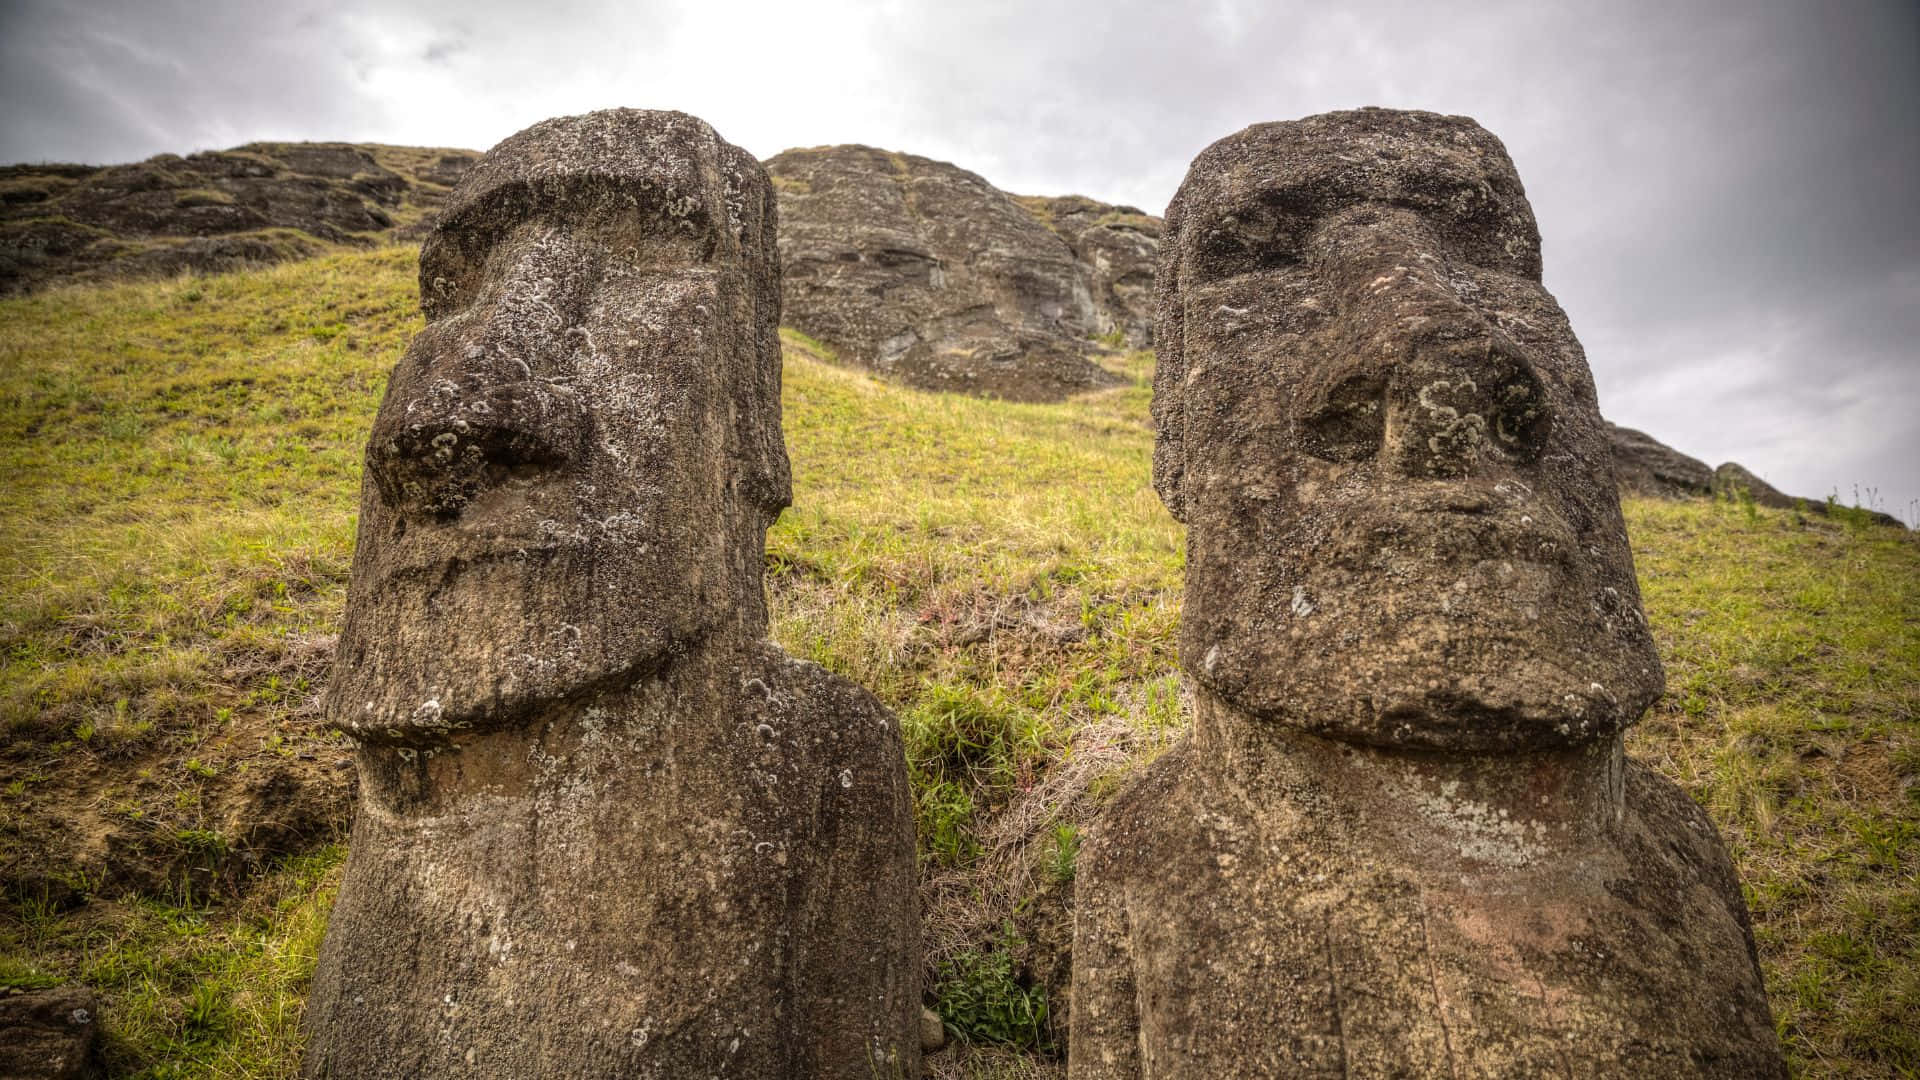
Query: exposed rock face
[1643,465]
[49,1034]
[1403,838]
[605,827]
[220,210]
[926,273]
[1116,247]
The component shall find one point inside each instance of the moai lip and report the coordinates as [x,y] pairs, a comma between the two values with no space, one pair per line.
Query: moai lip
[606,829]
[1403,838]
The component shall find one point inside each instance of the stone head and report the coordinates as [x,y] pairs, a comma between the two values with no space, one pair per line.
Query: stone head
[1385,441]
[572,472]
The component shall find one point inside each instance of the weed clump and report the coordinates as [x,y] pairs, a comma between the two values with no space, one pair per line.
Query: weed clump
[980,998]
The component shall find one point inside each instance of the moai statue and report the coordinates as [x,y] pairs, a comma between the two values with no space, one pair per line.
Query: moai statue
[606,829]
[1402,838]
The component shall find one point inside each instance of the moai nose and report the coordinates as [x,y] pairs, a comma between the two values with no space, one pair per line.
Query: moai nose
[1456,408]
[1432,385]
[461,417]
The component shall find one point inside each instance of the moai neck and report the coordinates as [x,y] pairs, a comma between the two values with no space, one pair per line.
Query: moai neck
[1449,811]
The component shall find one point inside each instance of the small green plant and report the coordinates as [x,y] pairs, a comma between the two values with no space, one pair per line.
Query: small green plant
[980,998]
[962,732]
[202,842]
[943,813]
[208,1011]
[1066,851]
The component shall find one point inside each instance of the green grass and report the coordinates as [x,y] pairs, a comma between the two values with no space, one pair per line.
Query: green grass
[1793,715]
[182,462]
[191,990]
[981,999]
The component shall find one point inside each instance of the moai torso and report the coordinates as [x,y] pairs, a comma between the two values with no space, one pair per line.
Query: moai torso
[605,828]
[1402,839]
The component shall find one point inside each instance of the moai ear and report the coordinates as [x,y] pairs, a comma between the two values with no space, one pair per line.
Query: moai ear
[761,448]
[1170,368]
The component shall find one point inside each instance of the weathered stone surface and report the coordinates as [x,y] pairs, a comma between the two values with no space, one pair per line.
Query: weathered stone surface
[1643,465]
[1403,838]
[926,273]
[214,211]
[49,1034]
[933,1033]
[605,828]
[1117,248]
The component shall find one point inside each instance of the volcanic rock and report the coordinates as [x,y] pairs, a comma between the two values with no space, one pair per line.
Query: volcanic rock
[1116,247]
[214,211]
[1643,465]
[926,273]
[49,1034]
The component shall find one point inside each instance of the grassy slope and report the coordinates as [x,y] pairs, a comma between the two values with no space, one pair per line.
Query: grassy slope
[181,461]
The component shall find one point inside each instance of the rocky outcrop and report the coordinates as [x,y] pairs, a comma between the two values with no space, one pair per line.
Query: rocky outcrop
[1116,247]
[213,211]
[925,272]
[1643,465]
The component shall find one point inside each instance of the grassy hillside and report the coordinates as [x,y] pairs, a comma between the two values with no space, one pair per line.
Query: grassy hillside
[181,460]
[218,210]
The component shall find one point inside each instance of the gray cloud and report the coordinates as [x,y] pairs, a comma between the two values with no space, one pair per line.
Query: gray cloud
[1725,186]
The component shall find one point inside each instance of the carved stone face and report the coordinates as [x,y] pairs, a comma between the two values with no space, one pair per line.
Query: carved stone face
[572,471]
[1386,442]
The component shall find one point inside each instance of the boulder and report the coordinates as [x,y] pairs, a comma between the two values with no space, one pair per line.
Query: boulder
[924,272]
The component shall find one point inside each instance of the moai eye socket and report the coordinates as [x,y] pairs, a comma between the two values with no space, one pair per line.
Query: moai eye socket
[1345,422]
[1249,240]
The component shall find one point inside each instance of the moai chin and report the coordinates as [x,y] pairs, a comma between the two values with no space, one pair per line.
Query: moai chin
[1402,838]
[606,829]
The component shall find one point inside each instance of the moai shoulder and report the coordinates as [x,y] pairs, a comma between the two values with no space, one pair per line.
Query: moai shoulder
[606,829]
[1403,837]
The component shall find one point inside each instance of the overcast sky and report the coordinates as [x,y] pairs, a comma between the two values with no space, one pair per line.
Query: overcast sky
[1727,190]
